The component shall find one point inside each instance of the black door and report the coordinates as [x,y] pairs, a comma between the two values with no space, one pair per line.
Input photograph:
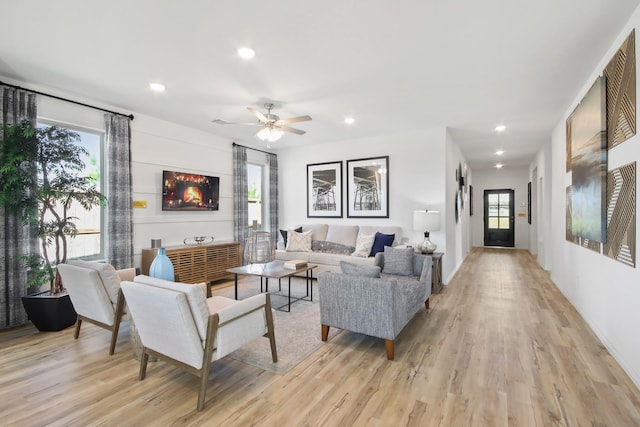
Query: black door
[498,218]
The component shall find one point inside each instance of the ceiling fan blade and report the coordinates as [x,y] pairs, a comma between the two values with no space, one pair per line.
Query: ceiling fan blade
[294,120]
[290,129]
[224,122]
[258,114]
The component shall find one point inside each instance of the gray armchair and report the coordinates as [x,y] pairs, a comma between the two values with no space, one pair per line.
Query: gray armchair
[379,307]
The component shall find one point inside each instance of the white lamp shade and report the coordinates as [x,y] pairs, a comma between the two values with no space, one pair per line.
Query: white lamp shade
[426,220]
[269,134]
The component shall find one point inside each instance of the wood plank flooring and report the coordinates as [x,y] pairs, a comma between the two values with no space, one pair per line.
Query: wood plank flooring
[499,346]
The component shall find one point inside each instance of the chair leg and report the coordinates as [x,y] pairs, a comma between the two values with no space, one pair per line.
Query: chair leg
[270,329]
[204,379]
[114,338]
[116,322]
[426,303]
[144,359]
[390,350]
[325,332]
[77,332]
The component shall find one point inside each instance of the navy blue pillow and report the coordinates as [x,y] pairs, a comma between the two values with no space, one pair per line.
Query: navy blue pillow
[380,242]
[285,233]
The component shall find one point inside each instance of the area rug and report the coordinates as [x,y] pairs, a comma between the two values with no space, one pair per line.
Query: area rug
[297,333]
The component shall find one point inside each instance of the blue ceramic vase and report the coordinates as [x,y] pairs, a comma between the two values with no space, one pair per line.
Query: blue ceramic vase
[161,267]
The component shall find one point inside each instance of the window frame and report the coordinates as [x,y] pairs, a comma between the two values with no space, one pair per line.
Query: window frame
[41,121]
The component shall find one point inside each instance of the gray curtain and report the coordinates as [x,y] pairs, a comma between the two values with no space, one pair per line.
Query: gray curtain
[272,162]
[16,239]
[240,194]
[119,202]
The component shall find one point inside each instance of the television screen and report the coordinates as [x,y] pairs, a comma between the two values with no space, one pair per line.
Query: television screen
[189,192]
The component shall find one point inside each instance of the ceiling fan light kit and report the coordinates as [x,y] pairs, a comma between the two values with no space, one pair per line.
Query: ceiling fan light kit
[269,134]
[272,126]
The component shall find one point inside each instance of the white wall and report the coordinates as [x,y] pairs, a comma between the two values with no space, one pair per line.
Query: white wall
[604,291]
[497,179]
[458,234]
[416,181]
[540,232]
[158,145]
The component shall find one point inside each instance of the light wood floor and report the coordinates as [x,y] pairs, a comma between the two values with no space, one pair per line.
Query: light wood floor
[499,346]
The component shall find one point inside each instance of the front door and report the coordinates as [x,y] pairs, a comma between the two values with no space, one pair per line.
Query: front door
[498,218]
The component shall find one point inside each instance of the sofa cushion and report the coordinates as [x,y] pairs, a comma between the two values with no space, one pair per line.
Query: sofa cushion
[299,241]
[331,247]
[363,245]
[359,270]
[283,233]
[398,261]
[319,230]
[380,242]
[389,229]
[342,234]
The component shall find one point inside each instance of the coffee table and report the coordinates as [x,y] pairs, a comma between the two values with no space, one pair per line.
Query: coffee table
[275,270]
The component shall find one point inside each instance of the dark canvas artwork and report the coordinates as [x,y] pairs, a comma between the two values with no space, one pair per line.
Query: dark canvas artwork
[589,165]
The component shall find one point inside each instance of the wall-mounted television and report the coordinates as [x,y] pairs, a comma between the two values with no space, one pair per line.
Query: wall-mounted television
[183,191]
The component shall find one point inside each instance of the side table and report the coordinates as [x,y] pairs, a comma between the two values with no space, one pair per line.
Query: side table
[436,273]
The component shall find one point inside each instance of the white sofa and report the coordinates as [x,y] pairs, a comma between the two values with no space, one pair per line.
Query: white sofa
[331,244]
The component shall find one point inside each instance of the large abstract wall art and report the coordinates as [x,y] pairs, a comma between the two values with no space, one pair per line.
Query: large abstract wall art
[621,215]
[620,74]
[588,133]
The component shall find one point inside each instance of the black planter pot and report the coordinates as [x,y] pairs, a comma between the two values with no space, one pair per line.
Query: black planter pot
[49,312]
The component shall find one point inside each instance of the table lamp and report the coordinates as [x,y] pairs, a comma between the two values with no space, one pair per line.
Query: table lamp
[427,221]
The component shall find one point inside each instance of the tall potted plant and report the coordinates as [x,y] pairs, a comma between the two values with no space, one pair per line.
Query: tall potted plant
[41,177]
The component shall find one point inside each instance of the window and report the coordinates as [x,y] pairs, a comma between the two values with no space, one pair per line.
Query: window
[499,212]
[254,182]
[89,242]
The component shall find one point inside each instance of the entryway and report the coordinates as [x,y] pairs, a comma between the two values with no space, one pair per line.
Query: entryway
[499,218]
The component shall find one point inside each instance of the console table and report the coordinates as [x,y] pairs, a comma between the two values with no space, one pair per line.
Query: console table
[436,273]
[198,263]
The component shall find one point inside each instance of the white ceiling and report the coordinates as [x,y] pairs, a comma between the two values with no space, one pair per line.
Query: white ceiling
[396,67]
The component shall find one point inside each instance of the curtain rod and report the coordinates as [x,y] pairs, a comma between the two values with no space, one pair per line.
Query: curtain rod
[250,148]
[130,116]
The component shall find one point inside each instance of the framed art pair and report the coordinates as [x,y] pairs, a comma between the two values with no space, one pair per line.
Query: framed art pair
[367,189]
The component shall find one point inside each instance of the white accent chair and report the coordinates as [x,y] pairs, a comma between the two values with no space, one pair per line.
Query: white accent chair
[94,289]
[177,323]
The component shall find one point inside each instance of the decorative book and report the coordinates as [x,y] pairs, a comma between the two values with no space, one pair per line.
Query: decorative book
[294,264]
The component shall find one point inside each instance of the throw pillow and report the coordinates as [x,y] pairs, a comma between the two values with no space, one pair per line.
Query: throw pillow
[363,245]
[398,261]
[359,270]
[381,241]
[284,234]
[299,242]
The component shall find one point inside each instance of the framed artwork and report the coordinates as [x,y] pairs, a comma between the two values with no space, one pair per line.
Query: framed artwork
[368,188]
[471,200]
[589,165]
[324,190]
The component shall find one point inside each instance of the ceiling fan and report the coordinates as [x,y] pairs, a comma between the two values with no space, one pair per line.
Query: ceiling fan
[272,126]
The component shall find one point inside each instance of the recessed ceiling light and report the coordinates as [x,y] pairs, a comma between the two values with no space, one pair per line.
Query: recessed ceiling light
[501,128]
[499,165]
[499,152]
[157,87]
[246,53]
[349,120]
